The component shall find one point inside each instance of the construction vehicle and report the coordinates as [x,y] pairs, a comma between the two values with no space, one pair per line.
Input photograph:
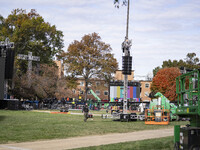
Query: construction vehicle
[158,112]
[164,104]
[188,91]
[157,116]
[96,105]
[95,95]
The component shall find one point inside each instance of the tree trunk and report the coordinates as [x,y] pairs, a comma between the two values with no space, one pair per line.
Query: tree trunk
[108,91]
[86,89]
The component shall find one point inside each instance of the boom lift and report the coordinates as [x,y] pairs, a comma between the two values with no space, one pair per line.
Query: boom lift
[188,90]
[165,104]
[95,95]
[158,114]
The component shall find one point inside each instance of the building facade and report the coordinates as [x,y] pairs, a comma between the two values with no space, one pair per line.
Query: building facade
[145,90]
[60,68]
[117,87]
[99,87]
[120,77]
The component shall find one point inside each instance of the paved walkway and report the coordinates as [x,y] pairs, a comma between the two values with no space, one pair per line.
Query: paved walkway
[77,142]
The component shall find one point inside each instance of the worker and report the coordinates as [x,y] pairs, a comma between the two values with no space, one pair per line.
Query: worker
[85,111]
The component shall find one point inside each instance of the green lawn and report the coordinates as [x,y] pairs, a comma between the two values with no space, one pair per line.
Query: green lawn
[152,144]
[20,126]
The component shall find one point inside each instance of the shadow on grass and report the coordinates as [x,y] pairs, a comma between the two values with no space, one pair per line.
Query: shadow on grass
[2,118]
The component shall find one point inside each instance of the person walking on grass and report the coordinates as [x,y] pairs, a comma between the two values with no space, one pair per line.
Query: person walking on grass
[85,111]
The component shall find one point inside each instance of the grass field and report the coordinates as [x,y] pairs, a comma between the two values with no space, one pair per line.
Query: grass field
[152,144]
[21,126]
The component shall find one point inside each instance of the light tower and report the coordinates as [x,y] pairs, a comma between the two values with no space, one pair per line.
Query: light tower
[126,62]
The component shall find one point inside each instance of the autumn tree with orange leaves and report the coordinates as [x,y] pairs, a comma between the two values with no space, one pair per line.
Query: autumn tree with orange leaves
[165,82]
[90,58]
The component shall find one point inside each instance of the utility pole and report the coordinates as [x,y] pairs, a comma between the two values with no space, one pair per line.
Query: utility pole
[126,62]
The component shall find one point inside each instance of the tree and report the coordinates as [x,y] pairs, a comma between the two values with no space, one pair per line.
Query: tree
[173,63]
[149,76]
[71,82]
[165,82]
[88,59]
[155,70]
[109,66]
[62,90]
[47,84]
[30,32]
[1,21]
[191,62]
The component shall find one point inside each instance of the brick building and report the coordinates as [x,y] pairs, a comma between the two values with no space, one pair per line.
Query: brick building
[60,68]
[99,87]
[120,77]
[145,84]
[145,90]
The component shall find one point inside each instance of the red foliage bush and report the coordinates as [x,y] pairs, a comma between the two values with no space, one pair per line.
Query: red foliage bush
[165,82]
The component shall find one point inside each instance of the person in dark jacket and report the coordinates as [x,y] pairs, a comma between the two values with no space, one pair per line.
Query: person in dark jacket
[85,111]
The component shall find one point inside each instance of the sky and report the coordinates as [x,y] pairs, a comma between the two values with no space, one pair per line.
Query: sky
[159,29]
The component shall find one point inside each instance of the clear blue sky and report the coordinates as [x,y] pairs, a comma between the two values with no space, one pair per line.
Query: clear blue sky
[159,29]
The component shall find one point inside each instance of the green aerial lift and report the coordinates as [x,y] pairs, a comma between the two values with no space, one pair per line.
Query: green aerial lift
[96,104]
[165,104]
[95,95]
[188,91]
